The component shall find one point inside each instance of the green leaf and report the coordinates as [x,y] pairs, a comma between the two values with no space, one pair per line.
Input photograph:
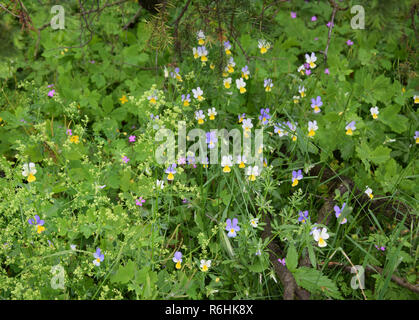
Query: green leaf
[380,155]
[390,117]
[292,258]
[124,273]
[313,281]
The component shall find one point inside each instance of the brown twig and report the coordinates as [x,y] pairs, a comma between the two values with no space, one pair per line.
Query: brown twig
[176,29]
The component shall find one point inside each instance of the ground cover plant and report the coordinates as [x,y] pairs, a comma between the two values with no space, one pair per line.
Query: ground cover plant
[325,207]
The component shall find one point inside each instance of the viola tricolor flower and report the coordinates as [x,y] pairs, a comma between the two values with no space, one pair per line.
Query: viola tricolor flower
[350,127]
[368,192]
[29,171]
[177,258]
[264,115]
[181,160]
[152,98]
[131,138]
[349,42]
[293,15]
[212,113]
[227,47]
[280,129]
[296,99]
[282,261]
[160,184]
[171,170]
[205,265]
[200,37]
[205,162]
[268,85]
[247,125]
[292,129]
[320,237]
[302,91]
[227,83]
[191,160]
[98,257]
[245,72]
[316,104]
[241,85]
[195,53]
[140,201]
[51,93]
[202,52]
[69,132]
[197,94]
[186,99]
[312,127]
[123,99]
[232,227]
[254,222]
[264,46]
[252,172]
[338,212]
[230,65]
[301,69]
[311,60]
[303,216]
[374,112]
[296,176]
[38,223]
[125,159]
[227,163]
[176,75]
[211,139]
[415,99]
[416,137]
[241,161]
[200,116]
[241,117]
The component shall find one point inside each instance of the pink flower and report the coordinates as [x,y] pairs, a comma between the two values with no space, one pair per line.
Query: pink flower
[330,24]
[51,93]
[308,72]
[326,71]
[131,138]
[349,42]
[313,18]
[293,15]
[140,202]
[69,132]
[125,159]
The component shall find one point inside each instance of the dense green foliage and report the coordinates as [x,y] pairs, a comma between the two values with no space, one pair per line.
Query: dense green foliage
[104,67]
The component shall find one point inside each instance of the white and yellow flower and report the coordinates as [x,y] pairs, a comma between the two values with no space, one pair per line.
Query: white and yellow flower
[227,163]
[205,265]
[195,53]
[241,161]
[374,112]
[247,125]
[268,84]
[350,128]
[200,37]
[301,69]
[212,113]
[254,222]
[152,99]
[311,60]
[416,99]
[312,128]
[29,171]
[264,46]
[252,172]
[200,116]
[241,85]
[320,237]
[368,192]
[197,94]
[302,91]
[230,65]
[227,47]
[202,52]
[227,83]
[296,99]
